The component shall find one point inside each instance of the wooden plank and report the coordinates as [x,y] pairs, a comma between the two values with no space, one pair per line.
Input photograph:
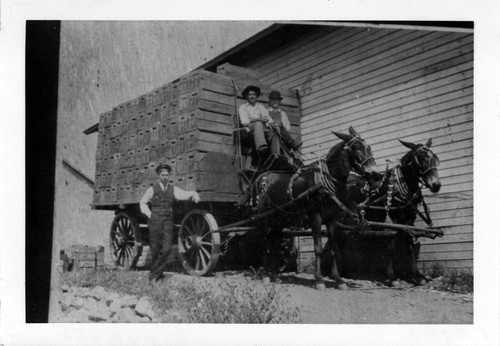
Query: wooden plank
[368,104]
[417,108]
[365,97]
[329,106]
[312,60]
[345,51]
[376,85]
[213,117]
[450,238]
[457,221]
[227,69]
[392,137]
[445,198]
[207,162]
[333,91]
[212,84]
[208,181]
[304,47]
[428,125]
[446,256]
[440,144]
[352,53]
[191,121]
[447,247]
[211,196]
[216,107]
[384,110]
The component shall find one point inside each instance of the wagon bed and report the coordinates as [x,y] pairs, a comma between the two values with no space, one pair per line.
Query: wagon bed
[189,124]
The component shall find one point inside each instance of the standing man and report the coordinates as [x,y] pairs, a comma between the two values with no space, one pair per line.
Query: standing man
[256,118]
[280,120]
[161,195]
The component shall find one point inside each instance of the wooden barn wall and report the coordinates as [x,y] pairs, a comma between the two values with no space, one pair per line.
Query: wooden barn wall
[392,84]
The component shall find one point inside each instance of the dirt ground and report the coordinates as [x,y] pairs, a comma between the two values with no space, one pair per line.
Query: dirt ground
[366,302]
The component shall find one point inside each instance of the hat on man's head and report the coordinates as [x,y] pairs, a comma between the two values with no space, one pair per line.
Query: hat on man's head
[275,95]
[163,166]
[250,88]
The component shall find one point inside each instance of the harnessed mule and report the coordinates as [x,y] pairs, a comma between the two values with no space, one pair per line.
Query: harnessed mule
[399,195]
[323,182]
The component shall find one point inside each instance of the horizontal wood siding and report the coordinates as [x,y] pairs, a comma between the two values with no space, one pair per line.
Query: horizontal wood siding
[389,85]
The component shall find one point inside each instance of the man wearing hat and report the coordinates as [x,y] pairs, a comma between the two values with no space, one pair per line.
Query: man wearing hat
[162,195]
[256,118]
[280,120]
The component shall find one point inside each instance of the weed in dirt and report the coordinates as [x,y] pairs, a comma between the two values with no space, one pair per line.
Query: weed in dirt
[453,281]
[175,302]
[461,282]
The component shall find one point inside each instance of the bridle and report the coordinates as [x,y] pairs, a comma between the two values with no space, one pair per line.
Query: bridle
[419,170]
[358,166]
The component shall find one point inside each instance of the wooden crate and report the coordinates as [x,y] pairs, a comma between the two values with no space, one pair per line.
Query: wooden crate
[187,123]
[85,257]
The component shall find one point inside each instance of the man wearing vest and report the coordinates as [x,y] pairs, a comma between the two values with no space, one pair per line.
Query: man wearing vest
[280,120]
[162,195]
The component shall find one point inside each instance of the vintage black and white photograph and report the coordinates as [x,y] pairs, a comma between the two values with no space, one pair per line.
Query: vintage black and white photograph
[251,172]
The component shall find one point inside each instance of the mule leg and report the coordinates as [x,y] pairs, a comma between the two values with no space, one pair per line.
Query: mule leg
[316,233]
[391,252]
[272,255]
[335,258]
[413,250]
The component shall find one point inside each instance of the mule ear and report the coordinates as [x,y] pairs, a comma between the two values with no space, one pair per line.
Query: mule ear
[428,143]
[344,137]
[353,132]
[409,145]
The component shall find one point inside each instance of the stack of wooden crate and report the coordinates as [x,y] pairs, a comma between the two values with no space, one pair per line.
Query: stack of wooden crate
[188,124]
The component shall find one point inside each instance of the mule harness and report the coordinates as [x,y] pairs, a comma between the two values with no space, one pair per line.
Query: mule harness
[396,180]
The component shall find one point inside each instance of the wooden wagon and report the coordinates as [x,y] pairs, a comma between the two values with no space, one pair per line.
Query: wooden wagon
[189,124]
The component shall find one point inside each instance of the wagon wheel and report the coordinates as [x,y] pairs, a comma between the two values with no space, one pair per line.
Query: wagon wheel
[122,238]
[199,242]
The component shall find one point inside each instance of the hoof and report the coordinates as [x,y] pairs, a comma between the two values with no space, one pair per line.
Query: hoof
[342,287]
[266,280]
[395,283]
[321,286]
[420,281]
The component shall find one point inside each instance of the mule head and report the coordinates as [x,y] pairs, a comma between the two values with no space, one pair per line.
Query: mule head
[360,153]
[424,163]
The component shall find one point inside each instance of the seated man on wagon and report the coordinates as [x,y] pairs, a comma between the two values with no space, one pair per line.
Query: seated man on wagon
[255,119]
[268,128]
[280,121]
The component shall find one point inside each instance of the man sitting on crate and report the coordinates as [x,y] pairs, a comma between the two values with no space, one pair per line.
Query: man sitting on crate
[161,224]
[254,119]
[280,121]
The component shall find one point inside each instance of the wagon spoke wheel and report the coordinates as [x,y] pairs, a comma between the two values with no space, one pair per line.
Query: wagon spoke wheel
[199,242]
[122,238]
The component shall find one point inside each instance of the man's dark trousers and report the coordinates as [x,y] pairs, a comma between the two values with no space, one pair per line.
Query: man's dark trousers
[161,229]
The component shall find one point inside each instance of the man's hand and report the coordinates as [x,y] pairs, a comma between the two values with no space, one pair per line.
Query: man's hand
[196,197]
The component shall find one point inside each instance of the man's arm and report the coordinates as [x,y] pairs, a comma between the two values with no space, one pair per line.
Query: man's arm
[181,195]
[244,119]
[285,121]
[265,114]
[148,195]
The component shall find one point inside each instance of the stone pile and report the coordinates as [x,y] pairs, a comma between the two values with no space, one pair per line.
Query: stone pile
[81,304]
